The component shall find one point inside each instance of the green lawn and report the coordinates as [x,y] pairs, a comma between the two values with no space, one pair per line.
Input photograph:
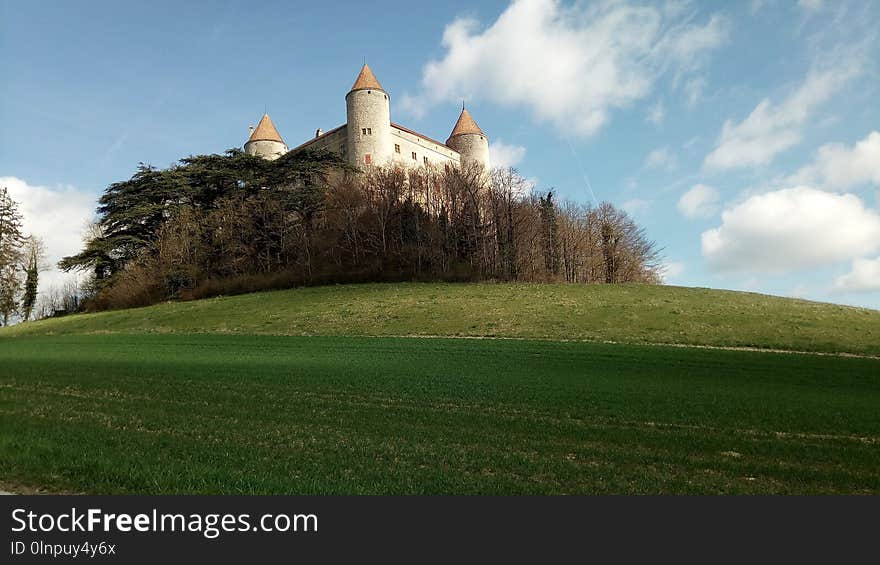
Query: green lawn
[181,413]
[619,313]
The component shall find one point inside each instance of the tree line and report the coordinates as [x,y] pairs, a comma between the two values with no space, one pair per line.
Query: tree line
[21,256]
[232,223]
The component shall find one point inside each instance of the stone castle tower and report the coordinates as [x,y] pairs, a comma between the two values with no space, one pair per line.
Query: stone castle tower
[369,137]
[265,141]
[369,121]
[469,140]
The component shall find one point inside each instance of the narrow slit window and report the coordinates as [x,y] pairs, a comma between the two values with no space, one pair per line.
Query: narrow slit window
[397,148]
[425,159]
[414,156]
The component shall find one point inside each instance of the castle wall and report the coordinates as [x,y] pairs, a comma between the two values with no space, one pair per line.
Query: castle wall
[334,141]
[270,150]
[409,143]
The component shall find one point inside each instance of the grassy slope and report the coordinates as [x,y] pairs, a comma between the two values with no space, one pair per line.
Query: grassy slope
[143,411]
[629,313]
[229,414]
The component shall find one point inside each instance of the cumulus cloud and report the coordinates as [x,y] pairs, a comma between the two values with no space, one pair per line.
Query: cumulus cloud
[863,277]
[837,166]
[661,158]
[635,206]
[700,201]
[771,128]
[693,90]
[504,155]
[756,6]
[791,229]
[799,291]
[671,270]
[56,215]
[810,5]
[656,113]
[572,65]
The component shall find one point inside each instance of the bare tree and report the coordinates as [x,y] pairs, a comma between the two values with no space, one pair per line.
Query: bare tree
[11,242]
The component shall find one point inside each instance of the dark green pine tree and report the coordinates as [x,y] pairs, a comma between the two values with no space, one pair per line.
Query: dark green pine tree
[550,233]
[32,277]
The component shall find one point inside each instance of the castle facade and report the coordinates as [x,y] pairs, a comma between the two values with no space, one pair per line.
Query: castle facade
[369,137]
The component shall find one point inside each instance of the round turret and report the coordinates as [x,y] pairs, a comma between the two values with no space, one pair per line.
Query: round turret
[469,140]
[369,121]
[265,141]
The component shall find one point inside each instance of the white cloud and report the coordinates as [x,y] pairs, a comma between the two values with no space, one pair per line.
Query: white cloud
[810,5]
[700,201]
[755,6]
[656,113]
[571,64]
[690,143]
[799,291]
[503,155]
[837,166]
[693,90]
[635,206]
[863,277]
[791,229]
[671,270]
[661,158]
[57,215]
[772,128]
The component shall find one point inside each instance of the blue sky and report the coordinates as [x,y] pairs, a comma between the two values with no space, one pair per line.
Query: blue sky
[745,136]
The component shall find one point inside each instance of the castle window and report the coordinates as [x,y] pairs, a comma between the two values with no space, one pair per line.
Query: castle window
[396,148]
[363,131]
[369,131]
[414,156]
[368,159]
[425,159]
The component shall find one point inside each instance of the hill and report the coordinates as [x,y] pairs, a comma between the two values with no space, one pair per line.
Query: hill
[615,313]
[195,397]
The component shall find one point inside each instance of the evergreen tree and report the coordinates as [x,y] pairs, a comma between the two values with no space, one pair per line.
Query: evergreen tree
[33,254]
[550,232]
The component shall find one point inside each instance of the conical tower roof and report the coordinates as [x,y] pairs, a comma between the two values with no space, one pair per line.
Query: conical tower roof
[366,79]
[266,131]
[465,124]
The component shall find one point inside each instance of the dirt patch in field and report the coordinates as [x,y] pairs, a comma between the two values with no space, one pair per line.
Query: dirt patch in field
[16,487]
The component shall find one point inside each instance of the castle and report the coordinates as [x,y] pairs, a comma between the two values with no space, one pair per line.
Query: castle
[369,137]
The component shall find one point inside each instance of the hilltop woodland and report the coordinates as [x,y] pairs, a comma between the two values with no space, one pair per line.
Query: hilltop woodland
[233,223]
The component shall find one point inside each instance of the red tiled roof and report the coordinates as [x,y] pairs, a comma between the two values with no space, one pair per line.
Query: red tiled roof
[465,124]
[266,131]
[366,79]
[425,137]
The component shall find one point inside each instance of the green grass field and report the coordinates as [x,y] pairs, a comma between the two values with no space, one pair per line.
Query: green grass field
[187,398]
[619,313]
